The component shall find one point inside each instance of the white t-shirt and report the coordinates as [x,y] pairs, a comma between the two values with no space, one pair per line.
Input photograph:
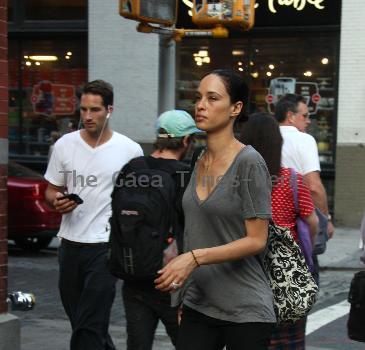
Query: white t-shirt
[90,173]
[299,151]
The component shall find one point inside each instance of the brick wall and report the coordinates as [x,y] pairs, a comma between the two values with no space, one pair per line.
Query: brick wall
[3,154]
[350,152]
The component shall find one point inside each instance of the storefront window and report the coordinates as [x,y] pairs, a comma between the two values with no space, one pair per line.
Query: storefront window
[37,10]
[271,66]
[45,77]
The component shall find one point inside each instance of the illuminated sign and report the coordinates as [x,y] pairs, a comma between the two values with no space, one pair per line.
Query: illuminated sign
[297,4]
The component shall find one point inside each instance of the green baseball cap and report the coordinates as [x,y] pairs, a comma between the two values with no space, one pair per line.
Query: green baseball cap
[177,123]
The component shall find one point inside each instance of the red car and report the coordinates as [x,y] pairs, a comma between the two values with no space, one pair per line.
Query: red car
[32,224]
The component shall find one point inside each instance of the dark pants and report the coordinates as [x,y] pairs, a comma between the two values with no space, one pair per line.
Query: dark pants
[144,307]
[87,292]
[201,332]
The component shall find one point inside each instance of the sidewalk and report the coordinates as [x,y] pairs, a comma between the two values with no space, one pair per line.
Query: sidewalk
[342,250]
[45,334]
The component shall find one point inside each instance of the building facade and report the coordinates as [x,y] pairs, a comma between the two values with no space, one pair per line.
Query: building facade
[314,49]
[9,324]
[350,147]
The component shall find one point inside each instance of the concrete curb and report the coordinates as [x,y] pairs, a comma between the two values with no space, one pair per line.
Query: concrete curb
[9,332]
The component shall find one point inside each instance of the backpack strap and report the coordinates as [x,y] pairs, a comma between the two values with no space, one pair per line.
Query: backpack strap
[130,167]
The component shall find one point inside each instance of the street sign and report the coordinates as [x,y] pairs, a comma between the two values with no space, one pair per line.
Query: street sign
[316,98]
[281,86]
[310,91]
[53,99]
[269,99]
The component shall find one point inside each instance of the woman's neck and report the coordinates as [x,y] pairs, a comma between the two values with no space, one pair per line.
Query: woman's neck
[220,142]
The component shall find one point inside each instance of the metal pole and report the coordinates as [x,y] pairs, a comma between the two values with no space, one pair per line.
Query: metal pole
[167,74]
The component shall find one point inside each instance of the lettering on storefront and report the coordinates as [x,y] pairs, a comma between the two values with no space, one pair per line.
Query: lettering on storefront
[299,5]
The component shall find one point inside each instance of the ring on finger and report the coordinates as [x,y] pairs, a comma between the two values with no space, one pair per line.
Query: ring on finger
[175,285]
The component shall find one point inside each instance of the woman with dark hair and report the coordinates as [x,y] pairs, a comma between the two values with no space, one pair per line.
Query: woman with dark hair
[262,132]
[226,299]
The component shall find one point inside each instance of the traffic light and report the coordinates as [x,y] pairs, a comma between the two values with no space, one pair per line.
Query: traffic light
[150,11]
[230,13]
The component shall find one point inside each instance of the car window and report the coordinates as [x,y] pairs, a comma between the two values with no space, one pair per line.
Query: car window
[17,170]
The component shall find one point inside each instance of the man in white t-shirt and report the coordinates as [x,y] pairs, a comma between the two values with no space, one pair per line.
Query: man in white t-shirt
[300,150]
[85,163]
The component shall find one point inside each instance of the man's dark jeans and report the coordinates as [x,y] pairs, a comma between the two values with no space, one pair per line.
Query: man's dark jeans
[87,292]
[144,307]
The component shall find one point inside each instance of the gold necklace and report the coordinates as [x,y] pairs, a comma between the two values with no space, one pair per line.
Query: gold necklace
[208,165]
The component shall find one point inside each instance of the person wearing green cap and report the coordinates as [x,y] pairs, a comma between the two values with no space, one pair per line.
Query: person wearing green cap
[144,305]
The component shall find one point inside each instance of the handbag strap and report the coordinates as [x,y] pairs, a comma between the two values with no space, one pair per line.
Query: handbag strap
[294,185]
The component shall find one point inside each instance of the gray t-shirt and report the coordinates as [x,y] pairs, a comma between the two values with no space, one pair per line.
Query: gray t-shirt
[235,291]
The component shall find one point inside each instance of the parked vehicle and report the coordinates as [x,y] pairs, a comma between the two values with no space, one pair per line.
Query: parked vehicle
[31,222]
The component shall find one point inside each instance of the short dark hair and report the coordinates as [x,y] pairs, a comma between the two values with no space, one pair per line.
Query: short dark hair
[170,143]
[262,132]
[235,86]
[102,88]
[288,103]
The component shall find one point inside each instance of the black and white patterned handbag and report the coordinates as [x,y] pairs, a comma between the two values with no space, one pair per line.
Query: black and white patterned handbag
[294,289]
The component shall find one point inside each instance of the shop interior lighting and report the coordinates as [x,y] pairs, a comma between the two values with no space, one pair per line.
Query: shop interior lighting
[325,60]
[69,53]
[190,13]
[308,73]
[240,69]
[201,57]
[255,75]
[43,58]
[28,63]
[67,57]
[251,63]
[38,63]
[269,74]
[271,66]
[239,63]
[203,53]
[238,52]
[257,5]
[26,57]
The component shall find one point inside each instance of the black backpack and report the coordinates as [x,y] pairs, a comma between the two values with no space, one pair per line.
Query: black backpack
[356,297]
[142,216]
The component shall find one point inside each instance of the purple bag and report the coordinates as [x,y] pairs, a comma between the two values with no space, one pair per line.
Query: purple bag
[304,235]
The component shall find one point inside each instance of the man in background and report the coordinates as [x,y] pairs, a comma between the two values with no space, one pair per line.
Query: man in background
[300,152]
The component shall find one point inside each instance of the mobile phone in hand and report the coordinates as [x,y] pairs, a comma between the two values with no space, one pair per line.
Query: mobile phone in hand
[73,197]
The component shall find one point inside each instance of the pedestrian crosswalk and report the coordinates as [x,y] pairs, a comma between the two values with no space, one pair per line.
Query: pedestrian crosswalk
[326,315]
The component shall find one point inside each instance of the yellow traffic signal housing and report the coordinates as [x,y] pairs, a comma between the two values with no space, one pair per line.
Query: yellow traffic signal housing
[162,12]
[230,13]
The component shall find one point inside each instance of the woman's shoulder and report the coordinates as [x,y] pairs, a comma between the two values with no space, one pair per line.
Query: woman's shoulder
[249,156]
